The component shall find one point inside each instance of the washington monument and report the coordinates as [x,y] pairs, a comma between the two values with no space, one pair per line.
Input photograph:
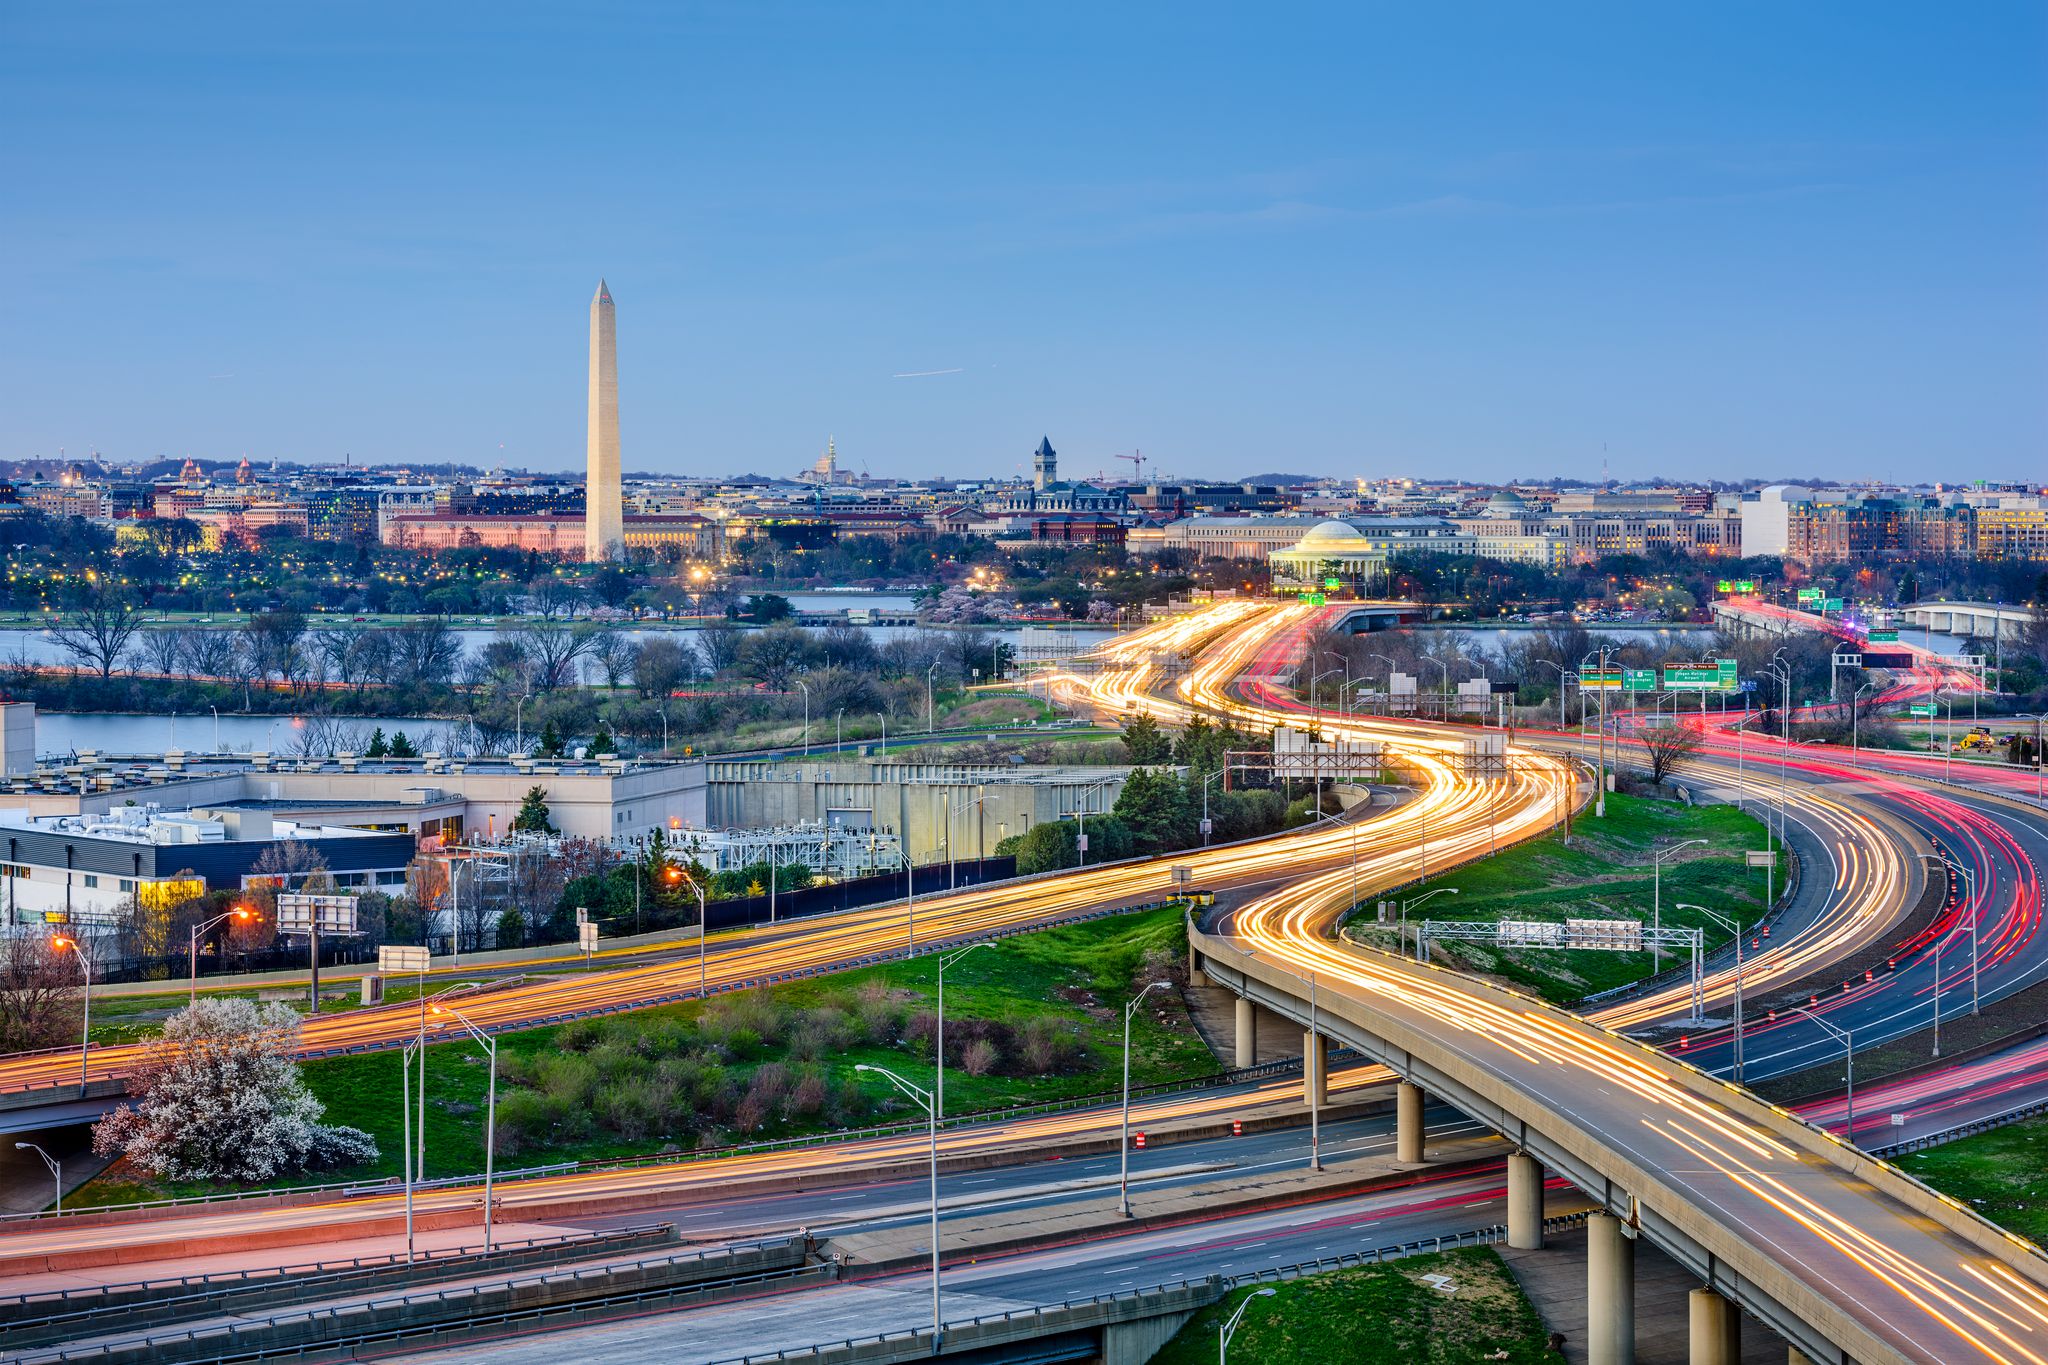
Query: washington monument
[604,527]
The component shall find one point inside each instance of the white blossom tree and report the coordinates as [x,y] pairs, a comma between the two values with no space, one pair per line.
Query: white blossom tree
[219,1097]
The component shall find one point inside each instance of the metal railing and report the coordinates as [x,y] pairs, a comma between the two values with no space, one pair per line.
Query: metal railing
[1961,1130]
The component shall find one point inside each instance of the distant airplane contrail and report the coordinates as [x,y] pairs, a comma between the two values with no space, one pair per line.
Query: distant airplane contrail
[925,374]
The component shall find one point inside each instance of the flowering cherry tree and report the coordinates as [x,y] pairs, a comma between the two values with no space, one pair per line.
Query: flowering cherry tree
[219,1097]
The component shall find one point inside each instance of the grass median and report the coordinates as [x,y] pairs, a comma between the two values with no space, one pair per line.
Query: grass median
[1029,1019]
[2002,1174]
[1377,1315]
[1604,873]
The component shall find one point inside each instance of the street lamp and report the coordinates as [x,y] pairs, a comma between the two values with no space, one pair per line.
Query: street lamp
[926,1101]
[1734,926]
[1445,713]
[1408,905]
[1657,896]
[519,724]
[1123,1168]
[1206,827]
[676,874]
[805,688]
[216,727]
[1976,912]
[1230,1328]
[929,722]
[56,1169]
[1855,714]
[192,947]
[489,1045]
[1847,1038]
[85,995]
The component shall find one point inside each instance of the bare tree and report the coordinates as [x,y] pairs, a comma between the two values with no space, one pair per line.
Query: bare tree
[422,654]
[549,596]
[1668,748]
[98,631]
[163,651]
[614,653]
[553,649]
[39,995]
[212,654]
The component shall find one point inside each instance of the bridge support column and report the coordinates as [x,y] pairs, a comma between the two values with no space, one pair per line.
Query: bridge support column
[1247,1033]
[1315,1070]
[1408,1123]
[1610,1293]
[1716,1329]
[1525,1202]
[1196,976]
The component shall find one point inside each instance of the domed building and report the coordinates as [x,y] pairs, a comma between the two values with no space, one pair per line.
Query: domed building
[1331,550]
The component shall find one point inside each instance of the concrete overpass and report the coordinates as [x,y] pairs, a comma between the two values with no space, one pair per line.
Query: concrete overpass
[1845,1256]
[1985,620]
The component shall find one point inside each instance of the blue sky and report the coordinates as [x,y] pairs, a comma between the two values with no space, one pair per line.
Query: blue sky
[1367,239]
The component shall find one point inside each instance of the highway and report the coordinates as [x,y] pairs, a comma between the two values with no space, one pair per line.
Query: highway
[1455,822]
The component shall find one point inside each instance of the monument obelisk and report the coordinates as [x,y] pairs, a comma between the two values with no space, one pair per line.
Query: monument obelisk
[604,525]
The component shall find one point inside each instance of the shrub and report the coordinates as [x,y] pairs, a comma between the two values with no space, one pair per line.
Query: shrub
[980,1058]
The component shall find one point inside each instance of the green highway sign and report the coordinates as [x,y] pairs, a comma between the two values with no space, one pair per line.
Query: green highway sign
[1639,680]
[1884,637]
[1831,604]
[1724,586]
[1333,583]
[1718,676]
[1610,680]
[1745,585]
[1925,712]
[1315,599]
[1809,594]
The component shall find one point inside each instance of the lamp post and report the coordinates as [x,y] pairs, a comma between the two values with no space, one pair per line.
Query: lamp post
[56,1169]
[1391,667]
[703,921]
[926,1101]
[192,948]
[418,1047]
[85,997]
[519,725]
[1205,809]
[930,723]
[216,727]
[1976,911]
[805,688]
[1123,1159]
[1229,1329]
[1847,1038]
[1445,713]
[489,1045]
[1855,715]
[839,731]
[1734,926]
[1408,905]
[1657,895]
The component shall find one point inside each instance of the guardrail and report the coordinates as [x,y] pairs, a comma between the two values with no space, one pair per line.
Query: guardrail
[265,1275]
[1424,1246]
[321,1331]
[1961,1130]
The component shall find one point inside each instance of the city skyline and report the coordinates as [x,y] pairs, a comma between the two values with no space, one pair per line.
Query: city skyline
[1650,246]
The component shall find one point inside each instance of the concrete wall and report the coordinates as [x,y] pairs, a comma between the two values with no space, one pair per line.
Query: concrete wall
[981,813]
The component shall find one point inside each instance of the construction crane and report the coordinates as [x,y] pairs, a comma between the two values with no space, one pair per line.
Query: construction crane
[1137,459]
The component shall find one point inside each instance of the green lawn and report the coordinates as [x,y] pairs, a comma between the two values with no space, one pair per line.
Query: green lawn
[1377,1315]
[2002,1174]
[1604,874]
[1075,978]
